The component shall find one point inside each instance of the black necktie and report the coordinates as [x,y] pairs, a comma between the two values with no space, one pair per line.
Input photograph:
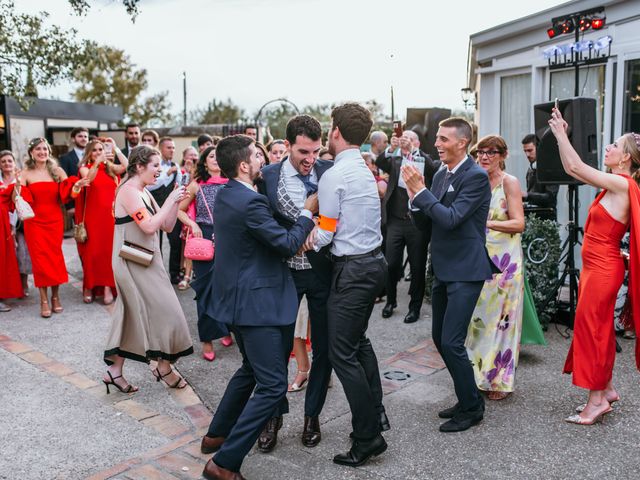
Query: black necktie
[309,186]
[445,184]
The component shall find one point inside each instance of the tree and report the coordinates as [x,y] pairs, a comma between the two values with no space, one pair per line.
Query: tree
[34,54]
[217,111]
[80,7]
[109,77]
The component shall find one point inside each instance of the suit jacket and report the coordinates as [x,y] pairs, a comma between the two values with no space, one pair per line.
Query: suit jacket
[540,195]
[391,165]
[458,224]
[69,162]
[269,187]
[252,284]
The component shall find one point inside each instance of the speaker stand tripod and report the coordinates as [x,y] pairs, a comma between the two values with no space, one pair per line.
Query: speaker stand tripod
[569,269]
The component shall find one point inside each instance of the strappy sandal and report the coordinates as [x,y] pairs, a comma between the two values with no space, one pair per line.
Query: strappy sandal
[159,376]
[296,387]
[57,306]
[87,296]
[127,389]
[45,310]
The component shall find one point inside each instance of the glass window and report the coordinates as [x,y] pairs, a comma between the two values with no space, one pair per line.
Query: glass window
[632,97]
[515,120]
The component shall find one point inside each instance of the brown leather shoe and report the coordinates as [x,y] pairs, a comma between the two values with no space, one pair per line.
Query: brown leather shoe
[212,471]
[311,434]
[269,437]
[211,444]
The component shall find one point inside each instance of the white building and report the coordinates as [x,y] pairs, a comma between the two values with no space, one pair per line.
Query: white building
[509,73]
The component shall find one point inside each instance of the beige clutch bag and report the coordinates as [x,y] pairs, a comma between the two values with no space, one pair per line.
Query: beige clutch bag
[136,254]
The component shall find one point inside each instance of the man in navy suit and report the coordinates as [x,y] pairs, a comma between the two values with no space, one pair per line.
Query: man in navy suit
[456,207]
[70,160]
[256,297]
[287,184]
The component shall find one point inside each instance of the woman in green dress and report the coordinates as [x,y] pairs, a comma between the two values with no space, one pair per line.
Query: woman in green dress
[493,338]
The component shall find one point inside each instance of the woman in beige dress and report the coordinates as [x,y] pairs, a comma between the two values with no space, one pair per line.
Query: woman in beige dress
[148,321]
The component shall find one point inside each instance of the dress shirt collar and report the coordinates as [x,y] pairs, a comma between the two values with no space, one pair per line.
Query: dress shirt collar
[79,152]
[289,171]
[166,162]
[457,167]
[533,165]
[248,185]
[348,154]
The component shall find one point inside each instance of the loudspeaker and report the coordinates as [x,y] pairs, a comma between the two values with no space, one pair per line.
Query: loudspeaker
[424,121]
[580,114]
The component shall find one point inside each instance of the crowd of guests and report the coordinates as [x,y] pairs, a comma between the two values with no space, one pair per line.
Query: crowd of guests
[342,220]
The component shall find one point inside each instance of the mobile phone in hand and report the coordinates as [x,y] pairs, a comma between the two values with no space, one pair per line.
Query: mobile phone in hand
[108,148]
[397,128]
[557,104]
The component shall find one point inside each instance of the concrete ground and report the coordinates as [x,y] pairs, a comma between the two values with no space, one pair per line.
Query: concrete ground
[58,422]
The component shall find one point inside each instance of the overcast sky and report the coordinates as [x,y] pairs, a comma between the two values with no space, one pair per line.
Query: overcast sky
[309,51]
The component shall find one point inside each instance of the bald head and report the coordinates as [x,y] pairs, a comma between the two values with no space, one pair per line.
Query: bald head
[412,137]
[379,142]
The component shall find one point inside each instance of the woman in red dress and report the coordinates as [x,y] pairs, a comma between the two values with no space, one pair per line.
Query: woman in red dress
[45,186]
[592,353]
[10,282]
[94,207]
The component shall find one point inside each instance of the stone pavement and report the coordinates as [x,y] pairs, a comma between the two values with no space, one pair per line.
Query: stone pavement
[59,423]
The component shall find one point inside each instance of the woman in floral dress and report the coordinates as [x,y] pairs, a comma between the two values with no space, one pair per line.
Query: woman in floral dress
[493,338]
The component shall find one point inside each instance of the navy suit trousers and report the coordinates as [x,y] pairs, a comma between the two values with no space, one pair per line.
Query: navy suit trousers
[240,417]
[453,304]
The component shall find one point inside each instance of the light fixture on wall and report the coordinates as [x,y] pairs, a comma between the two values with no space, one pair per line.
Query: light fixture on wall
[469,97]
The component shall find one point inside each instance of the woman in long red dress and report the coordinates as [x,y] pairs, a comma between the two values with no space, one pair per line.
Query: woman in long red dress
[592,353]
[10,282]
[45,186]
[94,207]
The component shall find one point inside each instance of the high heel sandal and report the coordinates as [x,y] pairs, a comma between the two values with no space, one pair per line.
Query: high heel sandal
[295,387]
[159,376]
[57,306]
[45,311]
[87,296]
[578,420]
[128,389]
[580,408]
[185,283]
[227,341]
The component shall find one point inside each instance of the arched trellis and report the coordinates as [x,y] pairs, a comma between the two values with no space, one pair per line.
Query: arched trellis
[280,100]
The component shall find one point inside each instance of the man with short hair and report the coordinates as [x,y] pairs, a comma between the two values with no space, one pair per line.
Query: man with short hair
[256,297]
[350,221]
[251,131]
[538,195]
[170,176]
[455,210]
[379,142]
[70,160]
[204,141]
[189,160]
[287,184]
[400,231]
[132,133]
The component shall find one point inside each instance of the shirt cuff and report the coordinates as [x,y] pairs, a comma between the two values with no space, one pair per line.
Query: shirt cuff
[411,207]
[306,213]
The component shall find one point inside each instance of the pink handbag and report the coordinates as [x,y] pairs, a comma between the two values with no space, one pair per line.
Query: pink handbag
[199,249]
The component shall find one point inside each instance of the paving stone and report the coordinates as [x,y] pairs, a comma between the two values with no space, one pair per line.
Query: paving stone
[199,415]
[58,369]
[79,380]
[134,409]
[175,463]
[15,347]
[166,425]
[35,358]
[148,472]
[186,396]
[411,367]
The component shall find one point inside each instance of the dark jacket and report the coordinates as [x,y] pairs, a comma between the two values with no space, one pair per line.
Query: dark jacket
[458,224]
[69,162]
[269,187]
[391,165]
[251,281]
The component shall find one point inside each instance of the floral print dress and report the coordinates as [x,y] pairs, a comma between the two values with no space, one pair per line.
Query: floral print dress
[493,337]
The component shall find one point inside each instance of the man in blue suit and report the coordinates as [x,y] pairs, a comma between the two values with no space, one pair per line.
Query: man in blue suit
[255,295]
[457,208]
[287,184]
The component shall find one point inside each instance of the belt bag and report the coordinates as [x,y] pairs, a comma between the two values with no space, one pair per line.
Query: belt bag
[136,254]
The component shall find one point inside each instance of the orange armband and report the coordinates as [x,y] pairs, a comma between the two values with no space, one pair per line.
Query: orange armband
[141,215]
[328,224]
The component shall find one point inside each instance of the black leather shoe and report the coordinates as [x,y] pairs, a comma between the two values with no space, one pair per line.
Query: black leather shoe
[211,444]
[269,437]
[361,451]
[311,435]
[412,317]
[387,311]
[462,421]
[449,412]
[384,422]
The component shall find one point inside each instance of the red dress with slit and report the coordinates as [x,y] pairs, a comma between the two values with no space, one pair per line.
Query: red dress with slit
[593,349]
[10,283]
[44,232]
[99,221]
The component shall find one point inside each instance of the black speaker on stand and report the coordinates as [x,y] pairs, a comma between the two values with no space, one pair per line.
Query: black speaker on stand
[580,114]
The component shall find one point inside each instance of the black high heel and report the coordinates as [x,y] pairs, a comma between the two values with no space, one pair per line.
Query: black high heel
[128,389]
[159,376]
